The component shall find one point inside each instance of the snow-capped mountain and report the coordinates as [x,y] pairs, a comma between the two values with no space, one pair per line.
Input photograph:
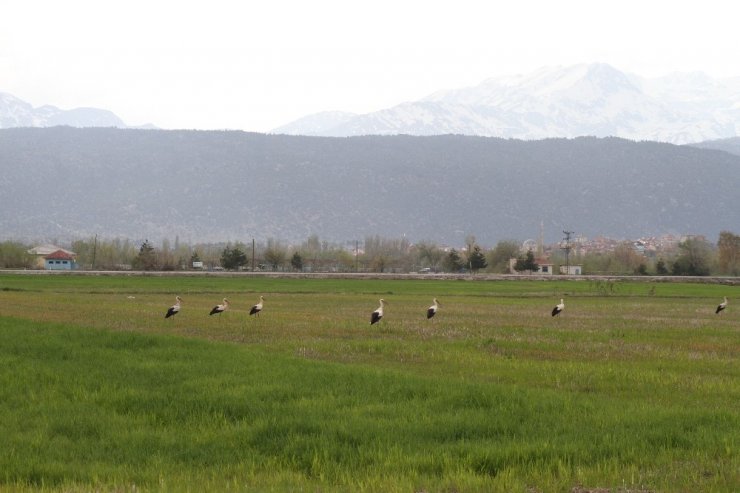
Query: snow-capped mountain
[314,124]
[15,112]
[580,100]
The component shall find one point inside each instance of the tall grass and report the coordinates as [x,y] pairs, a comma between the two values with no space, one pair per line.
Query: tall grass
[633,391]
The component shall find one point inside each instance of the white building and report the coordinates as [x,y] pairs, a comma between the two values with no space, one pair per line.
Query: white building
[571,270]
[544,268]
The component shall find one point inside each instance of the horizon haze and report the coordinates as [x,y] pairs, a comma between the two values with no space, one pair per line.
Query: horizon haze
[257,66]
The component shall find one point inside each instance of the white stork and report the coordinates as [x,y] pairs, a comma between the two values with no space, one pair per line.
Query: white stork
[256,309]
[174,309]
[220,308]
[722,305]
[377,314]
[432,310]
[558,308]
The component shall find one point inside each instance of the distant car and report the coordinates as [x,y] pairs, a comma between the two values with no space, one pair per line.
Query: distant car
[425,270]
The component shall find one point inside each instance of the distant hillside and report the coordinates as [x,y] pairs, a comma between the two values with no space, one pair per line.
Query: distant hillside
[213,186]
[731,145]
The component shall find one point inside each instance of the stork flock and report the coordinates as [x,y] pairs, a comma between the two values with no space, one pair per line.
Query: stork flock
[375,316]
[216,310]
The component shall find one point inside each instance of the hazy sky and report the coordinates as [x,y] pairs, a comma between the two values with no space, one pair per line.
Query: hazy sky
[255,65]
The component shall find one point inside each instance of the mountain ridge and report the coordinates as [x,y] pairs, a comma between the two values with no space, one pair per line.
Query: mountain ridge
[731,145]
[63,182]
[560,102]
[14,112]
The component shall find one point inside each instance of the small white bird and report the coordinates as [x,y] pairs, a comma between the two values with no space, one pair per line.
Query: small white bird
[377,314]
[256,309]
[722,305]
[174,309]
[220,308]
[432,310]
[558,308]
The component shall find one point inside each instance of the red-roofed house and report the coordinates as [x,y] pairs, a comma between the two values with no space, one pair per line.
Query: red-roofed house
[42,251]
[59,260]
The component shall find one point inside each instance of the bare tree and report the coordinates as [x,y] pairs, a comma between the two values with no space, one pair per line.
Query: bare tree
[275,254]
[729,253]
[430,255]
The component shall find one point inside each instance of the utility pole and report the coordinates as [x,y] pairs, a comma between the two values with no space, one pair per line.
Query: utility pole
[95,250]
[567,249]
[252,254]
[357,258]
[541,242]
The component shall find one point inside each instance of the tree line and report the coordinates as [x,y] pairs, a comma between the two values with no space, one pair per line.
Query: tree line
[693,257]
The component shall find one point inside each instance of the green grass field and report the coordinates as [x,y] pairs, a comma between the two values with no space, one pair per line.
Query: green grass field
[635,387]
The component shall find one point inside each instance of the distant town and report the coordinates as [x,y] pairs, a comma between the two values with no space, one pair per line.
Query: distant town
[649,246]
[575,254]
